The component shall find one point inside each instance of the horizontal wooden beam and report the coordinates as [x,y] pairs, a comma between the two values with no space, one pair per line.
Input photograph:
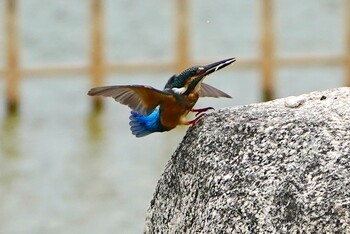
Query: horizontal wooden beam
[311,60]
[80,69]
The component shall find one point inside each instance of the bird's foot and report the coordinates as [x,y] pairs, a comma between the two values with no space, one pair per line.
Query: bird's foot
[199,111]
[193,122]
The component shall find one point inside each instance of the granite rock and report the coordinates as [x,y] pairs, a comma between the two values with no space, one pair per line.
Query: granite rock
[276,167]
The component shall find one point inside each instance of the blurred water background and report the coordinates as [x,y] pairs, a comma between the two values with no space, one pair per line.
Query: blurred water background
[66,169]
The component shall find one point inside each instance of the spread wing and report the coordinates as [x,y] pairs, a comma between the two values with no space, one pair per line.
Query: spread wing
[209,91]
[142,99]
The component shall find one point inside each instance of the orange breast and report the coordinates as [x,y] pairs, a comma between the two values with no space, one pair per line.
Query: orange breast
[171,114]
[174,111]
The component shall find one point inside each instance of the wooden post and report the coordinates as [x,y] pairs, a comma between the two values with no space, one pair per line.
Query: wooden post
[347,41]
[267,49]
[97,68]
[12,67]
[182,33]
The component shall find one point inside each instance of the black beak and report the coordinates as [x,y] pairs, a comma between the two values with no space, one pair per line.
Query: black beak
[213,67]
[208,69]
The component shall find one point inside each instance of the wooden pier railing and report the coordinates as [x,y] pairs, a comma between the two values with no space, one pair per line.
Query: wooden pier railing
[267,61]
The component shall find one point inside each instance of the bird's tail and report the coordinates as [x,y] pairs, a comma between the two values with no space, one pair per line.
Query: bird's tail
[141,125]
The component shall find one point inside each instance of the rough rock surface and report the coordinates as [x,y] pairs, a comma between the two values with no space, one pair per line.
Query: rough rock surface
[274,167]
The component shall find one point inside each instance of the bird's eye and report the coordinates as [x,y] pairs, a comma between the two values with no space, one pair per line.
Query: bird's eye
[194,72]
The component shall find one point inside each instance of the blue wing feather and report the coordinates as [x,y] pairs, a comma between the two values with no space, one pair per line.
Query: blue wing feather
[141,125]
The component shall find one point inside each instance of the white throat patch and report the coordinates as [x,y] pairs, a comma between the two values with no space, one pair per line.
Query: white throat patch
[179,90]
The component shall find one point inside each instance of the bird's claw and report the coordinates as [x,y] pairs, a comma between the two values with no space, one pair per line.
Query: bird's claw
[193,122]
[200,111]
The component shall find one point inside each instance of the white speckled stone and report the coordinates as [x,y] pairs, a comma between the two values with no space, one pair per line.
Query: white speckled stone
[294,101]
[260,168]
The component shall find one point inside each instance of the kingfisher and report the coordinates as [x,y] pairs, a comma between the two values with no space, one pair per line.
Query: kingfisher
[154,110]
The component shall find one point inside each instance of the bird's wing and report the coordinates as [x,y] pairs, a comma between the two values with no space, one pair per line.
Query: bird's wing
[142,99]
[209,91]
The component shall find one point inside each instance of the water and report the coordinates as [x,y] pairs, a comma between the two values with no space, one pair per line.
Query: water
[66,170]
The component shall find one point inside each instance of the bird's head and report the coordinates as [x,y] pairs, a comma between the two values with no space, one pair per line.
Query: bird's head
[189,80]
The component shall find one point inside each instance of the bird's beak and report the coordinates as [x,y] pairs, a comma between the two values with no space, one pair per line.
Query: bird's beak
[208,69]
[213,67]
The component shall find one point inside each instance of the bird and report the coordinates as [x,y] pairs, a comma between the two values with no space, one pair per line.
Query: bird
[154,110]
